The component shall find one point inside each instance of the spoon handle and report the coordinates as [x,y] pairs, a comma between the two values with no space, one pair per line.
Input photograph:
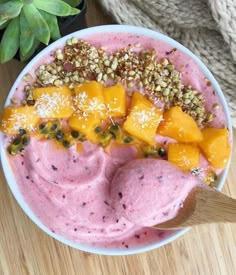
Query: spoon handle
[212,206]
[204,205]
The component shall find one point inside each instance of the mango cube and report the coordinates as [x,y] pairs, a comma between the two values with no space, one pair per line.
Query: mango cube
[85,123]
[115,100]
[89,98]
[18,117]
[143,119]
[137,97]
[185,156]
[215,146]
[53,102]
[180,126]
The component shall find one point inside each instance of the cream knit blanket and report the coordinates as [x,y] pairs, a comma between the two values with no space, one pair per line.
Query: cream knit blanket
[206,27]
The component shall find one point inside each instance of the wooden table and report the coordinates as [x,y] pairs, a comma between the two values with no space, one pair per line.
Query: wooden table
[25,249]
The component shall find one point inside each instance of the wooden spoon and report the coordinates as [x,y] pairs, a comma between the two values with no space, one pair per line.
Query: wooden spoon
[203,205]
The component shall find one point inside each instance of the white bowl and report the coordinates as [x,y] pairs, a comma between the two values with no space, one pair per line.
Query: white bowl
[59,43]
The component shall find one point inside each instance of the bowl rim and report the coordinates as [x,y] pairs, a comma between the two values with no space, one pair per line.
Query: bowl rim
[80,34]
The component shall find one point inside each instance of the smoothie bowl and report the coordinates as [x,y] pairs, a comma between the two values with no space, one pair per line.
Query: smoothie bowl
[89,104]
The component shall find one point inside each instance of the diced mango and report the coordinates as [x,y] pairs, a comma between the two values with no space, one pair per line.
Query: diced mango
[143,120]
[137,98]
[89,98]
[215,146]
[85,124]
[185,156]
[53,102]
[180,126]
[115,100]
[18,117]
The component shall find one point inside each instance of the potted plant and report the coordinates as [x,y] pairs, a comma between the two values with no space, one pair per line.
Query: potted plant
[27,26]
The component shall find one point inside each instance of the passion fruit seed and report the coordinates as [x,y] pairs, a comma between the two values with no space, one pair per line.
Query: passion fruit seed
[115,130]
[18,144]
[104,138]
[25,140]
[16,141]
[59,135]
[66,143]
[127,139]
[161,152]
[12,150]
[105,135]
[22,132]
[113,134]
[97,129]
[43,128]
[75,134]
[114,127]
[53,127]
[149,150]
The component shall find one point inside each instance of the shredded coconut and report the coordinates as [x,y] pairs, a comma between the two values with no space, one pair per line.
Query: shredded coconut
[146,118]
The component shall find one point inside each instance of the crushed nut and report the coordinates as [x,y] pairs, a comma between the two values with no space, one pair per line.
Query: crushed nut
[27,77]
[79,61]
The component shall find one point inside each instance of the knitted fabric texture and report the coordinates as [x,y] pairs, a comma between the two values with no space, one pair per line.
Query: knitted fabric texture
[206,27]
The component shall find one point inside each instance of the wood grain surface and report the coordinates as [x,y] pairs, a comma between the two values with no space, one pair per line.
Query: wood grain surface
[25,249]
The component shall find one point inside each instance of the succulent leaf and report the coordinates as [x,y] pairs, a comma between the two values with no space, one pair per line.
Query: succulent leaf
[28,1]
[29,22]
[3,24]
[31,52]
[10,40]
[11,9]
[37,23]
[26,35]
[52,24]
[56,7]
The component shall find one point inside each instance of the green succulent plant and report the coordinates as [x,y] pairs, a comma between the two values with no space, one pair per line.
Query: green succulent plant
[26,23]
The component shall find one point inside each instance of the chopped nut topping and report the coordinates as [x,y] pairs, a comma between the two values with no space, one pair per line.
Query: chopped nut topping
[27,78]
[13,100]
[79,61]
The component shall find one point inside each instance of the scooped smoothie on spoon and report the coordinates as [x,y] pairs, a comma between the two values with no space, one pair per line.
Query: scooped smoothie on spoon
[177,199]
[149,192]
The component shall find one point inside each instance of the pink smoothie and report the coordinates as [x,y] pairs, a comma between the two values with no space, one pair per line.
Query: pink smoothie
[70,191]
[150,191]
